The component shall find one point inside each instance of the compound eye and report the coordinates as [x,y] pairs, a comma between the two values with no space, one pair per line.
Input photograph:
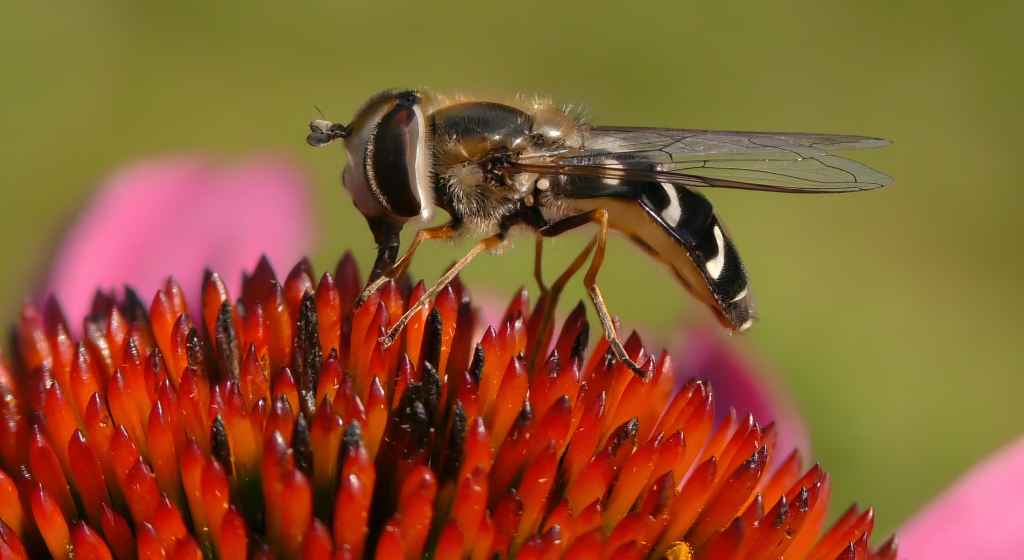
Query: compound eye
[392,161]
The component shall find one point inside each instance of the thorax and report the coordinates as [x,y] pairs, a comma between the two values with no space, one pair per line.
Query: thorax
[474,141]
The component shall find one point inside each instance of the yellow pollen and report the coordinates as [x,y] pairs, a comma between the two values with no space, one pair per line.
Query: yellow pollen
[679,551]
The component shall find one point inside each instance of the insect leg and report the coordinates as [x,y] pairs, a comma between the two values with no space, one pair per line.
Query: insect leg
[538,275]
[446,231]
[480,246]
[600,217]
[590,283]
[549,296]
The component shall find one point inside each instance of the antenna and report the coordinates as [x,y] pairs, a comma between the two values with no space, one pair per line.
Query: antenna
[323,131]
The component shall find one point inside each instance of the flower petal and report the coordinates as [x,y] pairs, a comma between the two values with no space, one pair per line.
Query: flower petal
[980,516]
[181,215]
[736,380]
[738,383]
[613,458]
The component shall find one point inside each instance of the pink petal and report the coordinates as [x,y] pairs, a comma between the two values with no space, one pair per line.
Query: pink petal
[179,216]
[981,516]
[739,383]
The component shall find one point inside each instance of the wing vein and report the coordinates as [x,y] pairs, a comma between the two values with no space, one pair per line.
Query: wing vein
[766,161]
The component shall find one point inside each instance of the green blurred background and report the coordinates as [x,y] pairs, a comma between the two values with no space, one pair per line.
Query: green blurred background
[891,316]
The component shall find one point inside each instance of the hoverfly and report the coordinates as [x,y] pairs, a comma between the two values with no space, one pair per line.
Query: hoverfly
[493,165]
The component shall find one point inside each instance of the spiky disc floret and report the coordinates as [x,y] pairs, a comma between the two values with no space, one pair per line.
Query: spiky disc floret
[277,426]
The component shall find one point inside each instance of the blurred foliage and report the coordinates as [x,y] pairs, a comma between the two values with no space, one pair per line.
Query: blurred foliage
[891,316]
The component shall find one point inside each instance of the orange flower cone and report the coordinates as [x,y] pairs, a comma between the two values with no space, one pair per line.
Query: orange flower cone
[276,426]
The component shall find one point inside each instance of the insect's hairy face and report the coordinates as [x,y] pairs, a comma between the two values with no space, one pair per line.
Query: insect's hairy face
[388,169]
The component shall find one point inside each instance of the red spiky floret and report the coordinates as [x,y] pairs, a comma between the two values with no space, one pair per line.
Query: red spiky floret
[278,426]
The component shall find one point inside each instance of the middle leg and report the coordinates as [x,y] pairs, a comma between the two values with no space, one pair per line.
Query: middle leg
[549,296]
[600,217]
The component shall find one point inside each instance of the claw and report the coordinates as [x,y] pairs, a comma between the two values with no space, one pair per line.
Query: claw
[386,340]
[622,356]
[369,290]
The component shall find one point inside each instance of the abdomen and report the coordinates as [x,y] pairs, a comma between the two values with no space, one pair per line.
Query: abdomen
[679,228]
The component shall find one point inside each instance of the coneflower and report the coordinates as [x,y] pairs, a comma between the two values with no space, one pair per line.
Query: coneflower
[276,426]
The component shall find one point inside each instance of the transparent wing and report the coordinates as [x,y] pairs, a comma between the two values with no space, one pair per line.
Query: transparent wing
[772,161]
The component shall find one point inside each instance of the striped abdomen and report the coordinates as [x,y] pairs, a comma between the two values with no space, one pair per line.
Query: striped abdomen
[679,228]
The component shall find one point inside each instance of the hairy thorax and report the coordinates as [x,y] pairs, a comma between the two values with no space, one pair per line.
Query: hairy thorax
[473,143]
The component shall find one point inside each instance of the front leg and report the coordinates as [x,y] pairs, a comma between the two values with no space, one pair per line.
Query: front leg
[481,246]
[396,268]
[538,260]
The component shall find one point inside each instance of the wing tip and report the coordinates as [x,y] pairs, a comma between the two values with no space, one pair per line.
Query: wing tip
[872,142]
[879,181]
[852,142]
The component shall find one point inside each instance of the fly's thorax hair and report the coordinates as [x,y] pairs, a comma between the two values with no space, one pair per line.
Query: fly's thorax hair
[564,125]
[521,127]
[400,169]
[390,164]
[476,203]
[550,201]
